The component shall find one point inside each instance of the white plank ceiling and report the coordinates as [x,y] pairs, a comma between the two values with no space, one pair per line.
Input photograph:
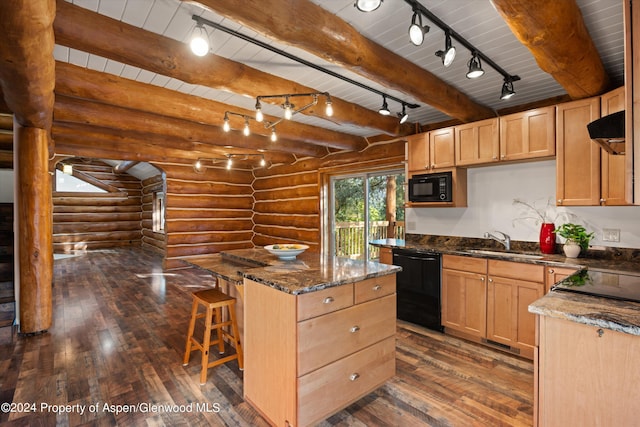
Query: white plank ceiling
[476,20]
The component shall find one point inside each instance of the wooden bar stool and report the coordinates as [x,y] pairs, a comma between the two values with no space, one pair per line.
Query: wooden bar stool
[214,301]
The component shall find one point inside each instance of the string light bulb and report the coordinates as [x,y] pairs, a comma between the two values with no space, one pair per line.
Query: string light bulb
[287,109]
[328,107]
[262,162]
[199,40]
[226,127]
[246,131]
[229,162]
[274,136]
[259,115]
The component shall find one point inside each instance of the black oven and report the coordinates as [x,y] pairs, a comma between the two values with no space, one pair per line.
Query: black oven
[433,187]
[418,287]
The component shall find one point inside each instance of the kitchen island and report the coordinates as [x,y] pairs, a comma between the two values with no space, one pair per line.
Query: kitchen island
[319,331]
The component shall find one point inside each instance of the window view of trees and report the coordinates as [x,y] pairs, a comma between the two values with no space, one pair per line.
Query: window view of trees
[384,205]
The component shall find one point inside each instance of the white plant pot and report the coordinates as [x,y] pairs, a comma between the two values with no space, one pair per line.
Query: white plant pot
[571,250]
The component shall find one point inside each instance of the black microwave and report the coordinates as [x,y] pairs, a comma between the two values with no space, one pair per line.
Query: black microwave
[433,187]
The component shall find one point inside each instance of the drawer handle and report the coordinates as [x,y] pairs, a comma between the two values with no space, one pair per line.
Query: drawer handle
[377,287]
[354,376]
[354,329]
[328,300]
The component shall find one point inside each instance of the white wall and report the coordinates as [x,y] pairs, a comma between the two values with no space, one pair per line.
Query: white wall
[491,192]
[6,186]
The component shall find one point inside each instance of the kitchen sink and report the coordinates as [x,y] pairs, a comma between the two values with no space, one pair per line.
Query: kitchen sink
[503,254]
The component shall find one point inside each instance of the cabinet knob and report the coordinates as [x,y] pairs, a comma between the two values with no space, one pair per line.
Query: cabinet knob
[482,279]
[559,201]
[495,157]
[503,156]
[354,329]
[603,200]
[551,271]
[327,300]
[377,288]
[600,332]
[490,280]
[354,376]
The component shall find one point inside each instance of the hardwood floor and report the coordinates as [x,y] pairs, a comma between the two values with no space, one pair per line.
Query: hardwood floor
[118,338]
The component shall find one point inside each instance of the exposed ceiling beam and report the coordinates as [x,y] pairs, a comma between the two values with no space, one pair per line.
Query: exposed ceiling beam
[308,26]
[26,60]
[81,29]
[555,33]
[79,82]
[124,166]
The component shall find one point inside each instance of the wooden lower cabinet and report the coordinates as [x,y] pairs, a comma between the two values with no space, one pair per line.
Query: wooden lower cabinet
[556,274]
[586,376]
[386,256]
[308,356]
[487,301]
[464,295]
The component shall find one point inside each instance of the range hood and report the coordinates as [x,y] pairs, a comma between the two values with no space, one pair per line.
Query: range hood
[608,131]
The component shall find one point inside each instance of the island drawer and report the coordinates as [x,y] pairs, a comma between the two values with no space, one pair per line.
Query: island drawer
[325,339]
[373,288]
[337,385]
[317,303]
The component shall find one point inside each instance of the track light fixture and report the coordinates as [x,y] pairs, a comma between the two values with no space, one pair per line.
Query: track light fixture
[403,116]
[475,67]
[363,5]
[384,110]
[416,30]
[449,53]
[259,115]
[290,109]
[507,89]
[226,126]
[199,40]
[367,5]
[202,164]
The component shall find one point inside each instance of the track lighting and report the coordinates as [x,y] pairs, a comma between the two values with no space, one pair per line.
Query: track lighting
[475,67]
[288,107]
[199,40]
[449,52]
[229,162]
[246,131]
[507,89]
[384,110]
[226,126]
[274,136]
[416,30]
[328,106]
[367,5]
[403,116]
[259,115]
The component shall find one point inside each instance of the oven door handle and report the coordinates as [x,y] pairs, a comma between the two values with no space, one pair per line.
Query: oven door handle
[417,258]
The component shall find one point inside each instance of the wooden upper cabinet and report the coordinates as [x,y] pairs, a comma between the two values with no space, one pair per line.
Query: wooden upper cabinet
[578,157]
[442,148]
[528,134]
[477,142]
[431,150]
[615,177]
[418,152]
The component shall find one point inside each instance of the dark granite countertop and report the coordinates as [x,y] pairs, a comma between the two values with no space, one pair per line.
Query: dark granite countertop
[307,273]
[623,316]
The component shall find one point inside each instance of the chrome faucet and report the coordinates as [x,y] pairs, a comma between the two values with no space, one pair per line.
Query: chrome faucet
[505,239]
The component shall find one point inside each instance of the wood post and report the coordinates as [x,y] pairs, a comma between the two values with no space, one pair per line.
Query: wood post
[33,209]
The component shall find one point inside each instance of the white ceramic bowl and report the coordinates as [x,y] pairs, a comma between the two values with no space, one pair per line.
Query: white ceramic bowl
[286,251]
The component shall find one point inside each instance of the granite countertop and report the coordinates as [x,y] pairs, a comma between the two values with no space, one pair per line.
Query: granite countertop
[307,273]
[618,315]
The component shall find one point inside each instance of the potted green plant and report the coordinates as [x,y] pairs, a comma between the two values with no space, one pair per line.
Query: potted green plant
[577,239]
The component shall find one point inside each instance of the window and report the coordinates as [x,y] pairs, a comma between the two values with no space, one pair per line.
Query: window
[69,183]
[365,207]
[158,211]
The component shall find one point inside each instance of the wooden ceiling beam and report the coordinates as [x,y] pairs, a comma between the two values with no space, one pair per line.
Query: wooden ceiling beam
[79,82]
[131,144]
[81,29]
[26,60]
[307,26]
[555,33]
[76,110]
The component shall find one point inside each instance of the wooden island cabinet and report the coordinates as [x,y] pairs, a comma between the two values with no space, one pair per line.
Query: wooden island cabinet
[309,355]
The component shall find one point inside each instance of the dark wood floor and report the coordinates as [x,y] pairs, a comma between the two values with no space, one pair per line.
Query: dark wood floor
[118,336]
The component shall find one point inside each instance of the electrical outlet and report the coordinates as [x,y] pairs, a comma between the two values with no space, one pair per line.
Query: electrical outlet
[610,234]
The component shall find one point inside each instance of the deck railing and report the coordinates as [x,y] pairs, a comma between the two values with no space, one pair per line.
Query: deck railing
[349,237]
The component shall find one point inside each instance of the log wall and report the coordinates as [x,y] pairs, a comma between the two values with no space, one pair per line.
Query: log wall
[288,197]
[155,240]
[84,221]
[206,212]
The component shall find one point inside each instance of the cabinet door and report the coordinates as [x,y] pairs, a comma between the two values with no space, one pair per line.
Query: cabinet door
[418,152]
[464,302]
[578,159]
[556,274]
[528,134]
[614,176]
[386,256]
[477,142]
[442,148]
[508,319]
